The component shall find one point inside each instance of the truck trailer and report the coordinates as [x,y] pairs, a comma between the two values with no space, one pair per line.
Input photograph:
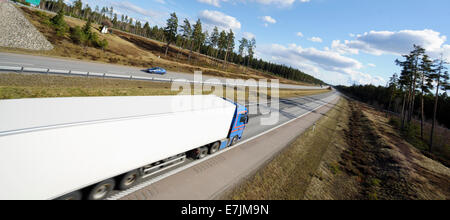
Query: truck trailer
[85,147]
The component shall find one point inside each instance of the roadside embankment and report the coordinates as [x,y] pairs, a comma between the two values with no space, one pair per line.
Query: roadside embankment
[17,32]
[15,86]
[351,153]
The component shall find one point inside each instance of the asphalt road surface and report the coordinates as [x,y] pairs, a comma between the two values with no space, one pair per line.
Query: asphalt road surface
[30,61]
[210,177]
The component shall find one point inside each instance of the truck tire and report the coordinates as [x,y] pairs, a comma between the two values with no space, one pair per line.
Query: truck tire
[234,141]
[127,180]
[77,195]
[101,190]
[203,152]
[214,148]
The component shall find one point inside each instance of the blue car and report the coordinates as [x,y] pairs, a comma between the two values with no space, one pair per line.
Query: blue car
[157,70]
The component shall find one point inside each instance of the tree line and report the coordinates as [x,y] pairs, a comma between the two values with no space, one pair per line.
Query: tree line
[217,44]
[420,90]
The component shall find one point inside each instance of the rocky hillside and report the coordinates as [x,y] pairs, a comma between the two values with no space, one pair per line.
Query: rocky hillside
[17,32]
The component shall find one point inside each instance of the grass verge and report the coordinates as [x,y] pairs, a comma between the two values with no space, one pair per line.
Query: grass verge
[288,175]
[15,86]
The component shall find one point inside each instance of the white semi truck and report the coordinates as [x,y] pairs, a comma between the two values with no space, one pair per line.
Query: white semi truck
[83,148]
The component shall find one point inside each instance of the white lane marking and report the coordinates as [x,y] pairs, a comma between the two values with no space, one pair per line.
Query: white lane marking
[22,64]
[173,172]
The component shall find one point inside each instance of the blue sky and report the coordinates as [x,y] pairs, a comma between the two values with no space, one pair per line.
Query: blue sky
[338,41]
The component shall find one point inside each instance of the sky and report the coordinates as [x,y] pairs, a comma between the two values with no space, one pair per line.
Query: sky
[341,42]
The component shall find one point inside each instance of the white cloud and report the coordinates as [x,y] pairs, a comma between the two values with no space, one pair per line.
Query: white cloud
[299,34]
[248,35]
[316,39]
[327,65]
[371,65]
[356,77]
[280,3]
[342,48]
[128,6]
[397,43]
[327,60]
[219,19]
[269,19]
[133,11]
[211,2]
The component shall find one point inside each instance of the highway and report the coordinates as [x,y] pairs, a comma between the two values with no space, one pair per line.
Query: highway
[30,61]
[211,177]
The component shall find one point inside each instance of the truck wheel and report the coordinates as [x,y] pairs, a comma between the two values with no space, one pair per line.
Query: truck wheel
[203,152]
[77,195]
[127,180]
[234,141]
[214,148]
[101,190]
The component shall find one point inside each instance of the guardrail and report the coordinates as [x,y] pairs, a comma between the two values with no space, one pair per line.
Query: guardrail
[21,69]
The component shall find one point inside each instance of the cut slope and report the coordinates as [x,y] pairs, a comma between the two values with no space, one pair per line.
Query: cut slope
[17,32]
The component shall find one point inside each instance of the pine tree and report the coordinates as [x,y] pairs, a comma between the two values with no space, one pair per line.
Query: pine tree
[230,45]
[87,27]
[87,11]
[208,43]
[171,30]
[115,21]
[147,29]
[392,86]
[251,49]
[77,6]
[196,38]
[60,5]
[186,30]
[425,81]
[416,55]
[223,41]
[440,77]
[197,35]
[405,84]
[59,24]
[215,39]
[242,45]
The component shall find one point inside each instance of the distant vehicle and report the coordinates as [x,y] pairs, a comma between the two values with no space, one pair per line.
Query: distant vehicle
[62,153]
[157,70]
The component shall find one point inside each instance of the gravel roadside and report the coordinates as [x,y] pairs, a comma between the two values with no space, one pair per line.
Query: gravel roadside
[17,32]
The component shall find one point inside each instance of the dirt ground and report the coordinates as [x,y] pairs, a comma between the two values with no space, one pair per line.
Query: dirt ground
[401,171]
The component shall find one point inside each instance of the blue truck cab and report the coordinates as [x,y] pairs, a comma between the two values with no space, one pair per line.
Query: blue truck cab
[240,120]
